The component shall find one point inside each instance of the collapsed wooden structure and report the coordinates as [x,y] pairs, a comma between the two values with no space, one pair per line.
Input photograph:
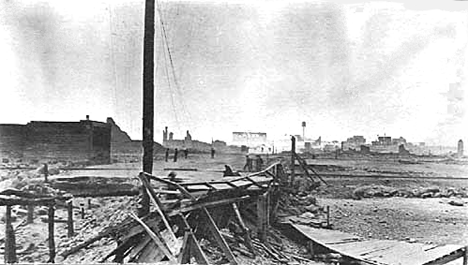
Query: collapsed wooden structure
[184,213]
[12,197]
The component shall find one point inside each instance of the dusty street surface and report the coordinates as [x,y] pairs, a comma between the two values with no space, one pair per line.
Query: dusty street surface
[389,205]
[430,220]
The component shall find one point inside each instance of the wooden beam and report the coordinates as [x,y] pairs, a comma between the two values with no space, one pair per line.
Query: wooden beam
[210,186]
[157,240]
[192,244]
[70,228]
[177,185]
[8,201]
[254,182]
[157,203]
[51,234]
[30,217]
[304,165]
[211,183]
[184,256]
[448,258]
[465,256]
[262,216]
[245,230]
[10,242]
[217,235]
[206,204]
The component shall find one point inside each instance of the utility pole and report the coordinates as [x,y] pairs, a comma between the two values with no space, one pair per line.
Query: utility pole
[303,130]
[293,160]
[148,98]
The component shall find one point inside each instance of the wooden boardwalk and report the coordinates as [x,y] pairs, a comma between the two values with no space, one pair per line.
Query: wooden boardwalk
[382,252]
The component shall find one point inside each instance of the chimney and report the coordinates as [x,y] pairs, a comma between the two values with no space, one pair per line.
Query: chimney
[87,117]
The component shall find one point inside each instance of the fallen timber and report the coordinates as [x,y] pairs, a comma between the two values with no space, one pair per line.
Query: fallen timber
[186,212]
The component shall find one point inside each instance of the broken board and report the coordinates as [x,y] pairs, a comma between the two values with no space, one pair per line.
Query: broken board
[381,252]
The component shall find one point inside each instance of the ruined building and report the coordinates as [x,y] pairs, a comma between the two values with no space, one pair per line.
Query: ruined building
[353,143]
[123,148]
[195,145]
[187,142]
[83,141]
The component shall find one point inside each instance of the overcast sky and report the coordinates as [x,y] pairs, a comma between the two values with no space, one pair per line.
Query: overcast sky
[360,68]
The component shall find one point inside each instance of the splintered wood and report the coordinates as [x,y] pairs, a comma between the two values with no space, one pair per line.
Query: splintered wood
[179,227]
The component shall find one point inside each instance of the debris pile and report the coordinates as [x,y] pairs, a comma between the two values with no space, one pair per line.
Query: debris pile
[371,191]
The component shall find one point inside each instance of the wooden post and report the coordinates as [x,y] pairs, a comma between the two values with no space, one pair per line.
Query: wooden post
[46,173]
[30,218]
[89,203]
[328,216]
[262,217]
[148,100]
[82,212]
[10,244]
[310,247]
[70,227]
[293,158]
[245,230]
[51,234]
[465,256]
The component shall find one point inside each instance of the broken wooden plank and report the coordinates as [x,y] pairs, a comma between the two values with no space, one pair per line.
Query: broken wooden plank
[254,182]
[157,204]
[157,240]
[245,230]
[11,201]
[177,185]
[184,256]
[217,235]
[138,249]
[192,244]
[196,206]
[262,216]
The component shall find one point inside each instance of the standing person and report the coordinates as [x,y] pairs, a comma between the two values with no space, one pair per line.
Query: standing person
[212,152]
[259,165]
[186,153]
[248,163]
[167,154]
[176,152]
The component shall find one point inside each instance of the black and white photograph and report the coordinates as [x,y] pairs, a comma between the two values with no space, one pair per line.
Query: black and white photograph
[234,132]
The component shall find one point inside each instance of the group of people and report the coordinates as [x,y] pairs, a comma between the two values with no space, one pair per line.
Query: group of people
[253,163]
[176,154]
[185,153]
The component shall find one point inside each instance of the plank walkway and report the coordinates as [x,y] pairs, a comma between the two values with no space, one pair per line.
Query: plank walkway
[382,252]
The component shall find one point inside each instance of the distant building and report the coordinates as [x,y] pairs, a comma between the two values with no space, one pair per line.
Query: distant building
[399,141]
[83,141]
[255,141]
[189,143]
[382,141]
[249,138]
[353,143]
[123,148]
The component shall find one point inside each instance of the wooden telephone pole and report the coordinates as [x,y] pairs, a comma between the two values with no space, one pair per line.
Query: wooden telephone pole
[148,98]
